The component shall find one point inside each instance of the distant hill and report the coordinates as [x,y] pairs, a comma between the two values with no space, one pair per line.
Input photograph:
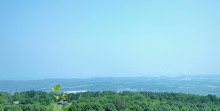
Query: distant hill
[193,84]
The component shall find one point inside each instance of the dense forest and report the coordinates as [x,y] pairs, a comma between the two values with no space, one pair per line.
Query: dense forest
[108,101]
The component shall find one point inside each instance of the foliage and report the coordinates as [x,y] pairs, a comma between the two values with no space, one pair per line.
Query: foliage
[58,96]
[70,107]
[109,101]
[12,108]
[56,88]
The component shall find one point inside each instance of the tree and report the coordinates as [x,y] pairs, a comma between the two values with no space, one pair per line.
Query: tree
[12,108]
[1,108]
[70,107]
[16,96]
[120,103]
[136,108]
[109,107]
[3,101]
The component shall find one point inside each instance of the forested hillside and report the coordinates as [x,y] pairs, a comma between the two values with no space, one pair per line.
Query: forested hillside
[109,101]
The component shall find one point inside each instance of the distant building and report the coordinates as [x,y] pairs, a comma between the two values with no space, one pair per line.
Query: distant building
[62,102]
[68,92]
[16,102]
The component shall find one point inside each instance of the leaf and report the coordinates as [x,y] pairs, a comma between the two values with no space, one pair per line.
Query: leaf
[63,95]
[53,88]
[57,97]
[63,99]
[57,87]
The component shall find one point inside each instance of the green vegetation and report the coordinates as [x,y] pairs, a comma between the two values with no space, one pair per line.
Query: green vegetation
[108,101]
[58,96]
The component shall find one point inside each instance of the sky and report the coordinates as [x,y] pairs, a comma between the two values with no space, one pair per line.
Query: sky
[103,38]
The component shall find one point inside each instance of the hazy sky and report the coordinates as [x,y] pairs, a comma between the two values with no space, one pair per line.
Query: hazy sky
[91,38]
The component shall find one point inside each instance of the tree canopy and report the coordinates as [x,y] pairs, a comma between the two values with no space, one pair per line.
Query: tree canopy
[109,101]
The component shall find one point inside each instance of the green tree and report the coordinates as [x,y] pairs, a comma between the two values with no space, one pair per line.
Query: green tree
[12,108]
[70,107]
[16,96]
[1,108]
[109,107]
[3,101]
[120,103]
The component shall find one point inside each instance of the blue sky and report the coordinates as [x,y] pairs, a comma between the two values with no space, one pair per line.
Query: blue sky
[68,39]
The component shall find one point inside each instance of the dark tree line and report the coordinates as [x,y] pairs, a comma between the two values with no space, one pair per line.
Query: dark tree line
[110,101]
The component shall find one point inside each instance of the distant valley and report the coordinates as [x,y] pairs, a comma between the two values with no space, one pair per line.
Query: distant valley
[194,84]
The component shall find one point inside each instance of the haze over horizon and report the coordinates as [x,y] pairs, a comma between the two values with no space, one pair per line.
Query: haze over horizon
[73,39]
